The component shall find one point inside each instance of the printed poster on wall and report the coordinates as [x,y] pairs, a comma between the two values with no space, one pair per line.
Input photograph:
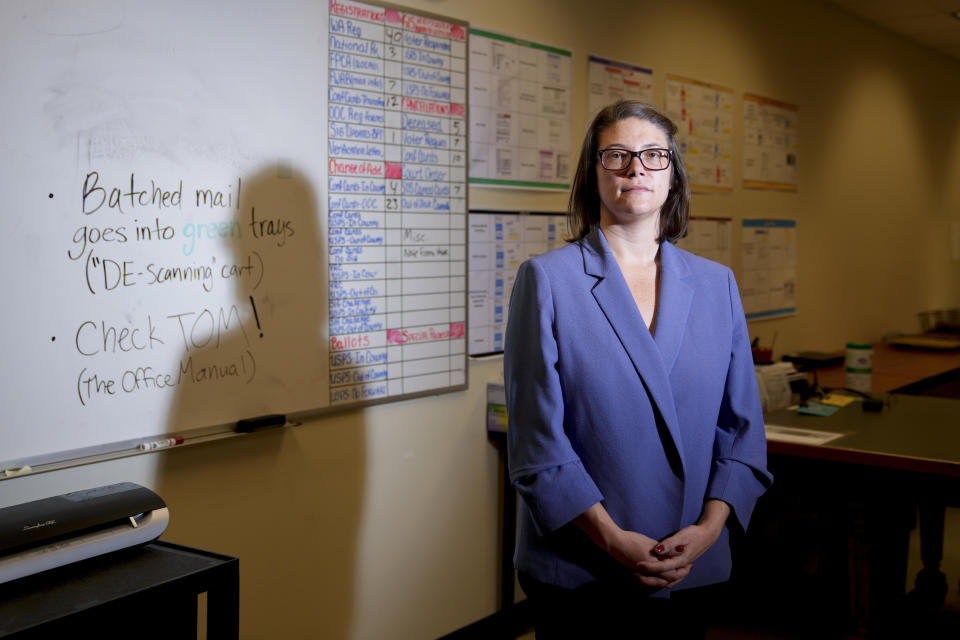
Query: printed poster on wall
[703,113]
[499,243]
[709,237]
[768,273]
[609,81]
[771,143]
[519,112]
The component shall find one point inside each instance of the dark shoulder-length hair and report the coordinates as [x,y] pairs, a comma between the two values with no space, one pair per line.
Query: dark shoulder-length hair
[583,211]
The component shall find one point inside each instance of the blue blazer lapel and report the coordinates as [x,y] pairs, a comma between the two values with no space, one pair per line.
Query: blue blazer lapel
[616,301]
[675,299]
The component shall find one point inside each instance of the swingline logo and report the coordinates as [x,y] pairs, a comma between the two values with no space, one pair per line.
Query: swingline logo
[28,527]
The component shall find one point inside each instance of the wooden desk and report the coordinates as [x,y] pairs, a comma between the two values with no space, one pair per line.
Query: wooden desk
[919,373]
[869,482]
[915,434]
[895,368]
[143,592]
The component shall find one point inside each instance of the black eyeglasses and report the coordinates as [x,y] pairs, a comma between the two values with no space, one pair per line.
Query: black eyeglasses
[620,159]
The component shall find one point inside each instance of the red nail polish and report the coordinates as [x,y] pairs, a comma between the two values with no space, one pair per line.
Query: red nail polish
[680,548]
[660,548]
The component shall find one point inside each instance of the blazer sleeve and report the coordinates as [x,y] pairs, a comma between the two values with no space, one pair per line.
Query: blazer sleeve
[544,467]
[739,475]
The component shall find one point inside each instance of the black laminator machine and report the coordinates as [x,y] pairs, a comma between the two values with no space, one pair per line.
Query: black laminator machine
[43,534]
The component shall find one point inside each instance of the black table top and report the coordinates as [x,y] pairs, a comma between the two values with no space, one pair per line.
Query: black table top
[64,591]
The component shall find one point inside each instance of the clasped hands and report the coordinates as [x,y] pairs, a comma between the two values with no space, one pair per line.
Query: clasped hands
[665,563]
[661,564]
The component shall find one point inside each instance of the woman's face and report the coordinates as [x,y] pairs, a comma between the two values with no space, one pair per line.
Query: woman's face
[634,193]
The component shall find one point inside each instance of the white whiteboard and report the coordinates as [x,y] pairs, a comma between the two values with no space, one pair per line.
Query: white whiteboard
[166,252]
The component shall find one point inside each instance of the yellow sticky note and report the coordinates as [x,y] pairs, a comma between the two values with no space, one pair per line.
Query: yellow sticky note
[838,400]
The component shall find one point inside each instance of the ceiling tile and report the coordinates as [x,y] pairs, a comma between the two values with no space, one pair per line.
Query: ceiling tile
[926,22]
[952,50]
[882,10]
[945,5]
[928,26]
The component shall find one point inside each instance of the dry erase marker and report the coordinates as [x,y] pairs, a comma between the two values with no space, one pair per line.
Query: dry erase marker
[160,444]
[17,471]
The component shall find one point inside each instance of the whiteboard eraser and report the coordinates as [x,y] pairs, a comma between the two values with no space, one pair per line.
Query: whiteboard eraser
[263,422]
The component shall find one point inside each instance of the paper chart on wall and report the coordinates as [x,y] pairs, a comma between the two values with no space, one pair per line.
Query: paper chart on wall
[609,81]
[709,237]
[703,113]
[768,274]
[771,143]
[519,112]
[499,243]
[397,202]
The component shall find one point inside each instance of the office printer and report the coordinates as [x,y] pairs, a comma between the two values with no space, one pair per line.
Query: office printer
[43,534]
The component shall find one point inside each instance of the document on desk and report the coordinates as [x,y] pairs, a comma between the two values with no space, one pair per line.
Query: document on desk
[779,433]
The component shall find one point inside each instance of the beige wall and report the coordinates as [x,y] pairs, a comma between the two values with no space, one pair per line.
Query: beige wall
[382,523]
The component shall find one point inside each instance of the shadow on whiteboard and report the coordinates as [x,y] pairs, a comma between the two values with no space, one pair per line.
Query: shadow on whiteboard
[289,502]
[261,349]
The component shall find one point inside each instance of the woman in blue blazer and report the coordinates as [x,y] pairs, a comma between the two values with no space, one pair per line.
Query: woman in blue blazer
[636,437]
